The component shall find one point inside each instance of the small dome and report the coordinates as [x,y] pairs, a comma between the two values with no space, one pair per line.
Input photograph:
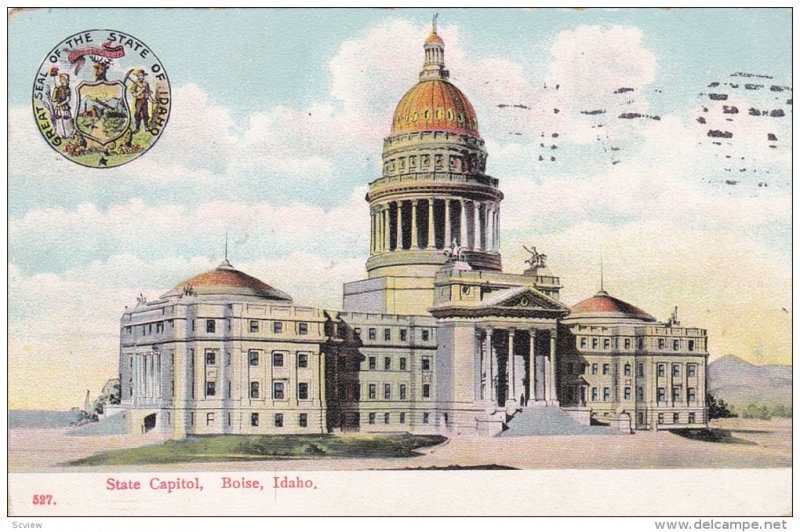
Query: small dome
[434,38]
[435,105]
[227,280]
[602,305]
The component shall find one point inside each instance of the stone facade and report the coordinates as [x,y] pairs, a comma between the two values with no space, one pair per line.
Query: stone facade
[437,338]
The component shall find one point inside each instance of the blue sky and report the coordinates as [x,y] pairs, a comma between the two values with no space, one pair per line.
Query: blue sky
[278,122]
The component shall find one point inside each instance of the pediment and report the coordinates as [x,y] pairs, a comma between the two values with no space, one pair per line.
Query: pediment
[522,298]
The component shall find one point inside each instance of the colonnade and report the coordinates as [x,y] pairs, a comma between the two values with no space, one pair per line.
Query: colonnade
[540,389]
[146,376]
[434,224]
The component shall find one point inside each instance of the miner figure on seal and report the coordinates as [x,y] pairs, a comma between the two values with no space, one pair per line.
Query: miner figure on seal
[142,96]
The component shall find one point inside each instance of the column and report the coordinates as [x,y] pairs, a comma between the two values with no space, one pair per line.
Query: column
[135,378]
[490,369]
[497,228]
[431,232]
[511,400]
[378,228]
[532,369]
[553,395]
[399,245]
[463,224]
[481,365]
[371,232]
[489,239]
[386,225]
[448,226]
[477,228]
[414,244]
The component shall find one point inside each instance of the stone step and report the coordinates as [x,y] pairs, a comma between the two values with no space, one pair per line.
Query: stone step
[549,421]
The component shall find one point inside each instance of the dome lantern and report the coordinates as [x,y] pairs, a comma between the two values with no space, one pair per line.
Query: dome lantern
[433,68]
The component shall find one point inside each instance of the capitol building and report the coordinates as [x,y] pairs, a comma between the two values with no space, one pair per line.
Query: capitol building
[436,338]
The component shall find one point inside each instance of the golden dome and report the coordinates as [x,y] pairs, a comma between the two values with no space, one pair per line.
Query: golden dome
[434,38]
[435,105]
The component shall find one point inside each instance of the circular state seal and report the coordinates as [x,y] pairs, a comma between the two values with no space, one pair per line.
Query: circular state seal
[101,98]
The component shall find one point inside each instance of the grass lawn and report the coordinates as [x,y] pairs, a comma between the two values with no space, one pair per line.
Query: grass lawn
[271,447]
[711,435]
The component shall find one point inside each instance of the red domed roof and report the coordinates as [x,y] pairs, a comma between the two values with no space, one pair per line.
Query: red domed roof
[434,38]
[227,280]
[602,305]
[435,105]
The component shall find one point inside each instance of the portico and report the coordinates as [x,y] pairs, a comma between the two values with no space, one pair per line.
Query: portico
[516,364]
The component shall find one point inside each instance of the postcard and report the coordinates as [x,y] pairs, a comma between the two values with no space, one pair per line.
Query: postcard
[405,262]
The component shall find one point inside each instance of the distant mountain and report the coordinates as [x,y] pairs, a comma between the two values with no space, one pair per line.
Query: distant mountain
[740,383]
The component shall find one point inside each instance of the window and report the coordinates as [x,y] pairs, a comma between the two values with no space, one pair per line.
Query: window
[606,394]
[277,327]
[691,394]
[594,369]
[227,359]
[387,391]
[594,343]
[594,394]
[302,328]
[253,326]
[426,390]
[402,363]
[691,370]
[302,360]
[661,418]
[402,391]
[426,363]
[373,393]
[372,362]
[640,393]
[386,418]
[253,358]
[676,345]
[211,389]
[254,419]
[426,417]
[675,417]
[661,370]
[387,363]
[277,360]
[627,393]
[676,394]
[583,342]
[606,343]
[661,395]
[303,420]
[627,370]
[192,325]
[211,326]
[627,343]
[606,369]
[372,334]
[372,418]
[641,343]
[211,358]
[691,345]
[425,335]
[691,417]
[209,418]
[676,370]
[640,370]
[661,343]
[302,390]
[277,390]
[254,390]
[403,335]
[641,418]
[402,417]
[387,334]
[278,420]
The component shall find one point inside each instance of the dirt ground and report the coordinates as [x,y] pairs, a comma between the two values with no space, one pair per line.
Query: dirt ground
[760,444]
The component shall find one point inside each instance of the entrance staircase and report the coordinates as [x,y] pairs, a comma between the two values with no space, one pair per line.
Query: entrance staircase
[549,421]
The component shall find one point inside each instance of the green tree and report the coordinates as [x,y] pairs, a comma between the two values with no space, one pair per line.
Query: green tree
[717,408]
